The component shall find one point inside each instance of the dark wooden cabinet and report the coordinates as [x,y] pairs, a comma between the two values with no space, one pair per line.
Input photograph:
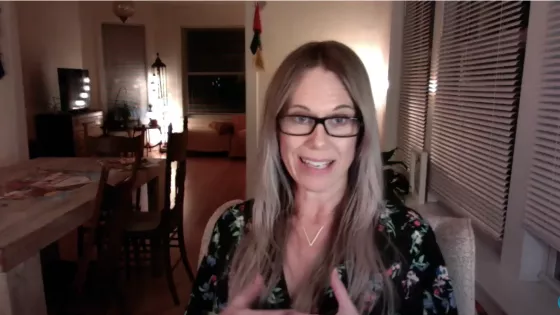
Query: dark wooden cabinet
[62,134]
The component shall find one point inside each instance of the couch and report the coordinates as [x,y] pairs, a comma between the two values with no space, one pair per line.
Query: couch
[220,133]
[203,137]
[238,138]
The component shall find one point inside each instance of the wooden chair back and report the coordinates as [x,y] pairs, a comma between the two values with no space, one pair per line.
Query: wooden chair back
[115,146]
[89,242]
[118,211]
[176,152]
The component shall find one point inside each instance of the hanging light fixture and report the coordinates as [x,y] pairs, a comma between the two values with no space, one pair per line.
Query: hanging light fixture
[123,9]
[159,73]
[159,91]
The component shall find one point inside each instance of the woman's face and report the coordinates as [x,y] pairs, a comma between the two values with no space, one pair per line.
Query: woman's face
[318,162]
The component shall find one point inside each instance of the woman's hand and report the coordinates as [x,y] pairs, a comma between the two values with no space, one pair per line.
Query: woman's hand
[241,303]
[345,304]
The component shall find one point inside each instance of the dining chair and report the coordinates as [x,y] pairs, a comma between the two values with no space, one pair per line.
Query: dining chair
[109,146]
[89,284]
[63,278]
[117,210]
[163,229]
[114,146]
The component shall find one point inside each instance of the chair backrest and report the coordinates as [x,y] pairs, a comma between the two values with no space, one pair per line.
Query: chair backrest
[176,152]
[455,237]
[206,237]
[118,211]
[89,242]
[115,146]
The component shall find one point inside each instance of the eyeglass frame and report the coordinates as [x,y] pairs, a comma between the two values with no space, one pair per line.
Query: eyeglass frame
[321,121]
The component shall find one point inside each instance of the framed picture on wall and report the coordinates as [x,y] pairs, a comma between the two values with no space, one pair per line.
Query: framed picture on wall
[418,174]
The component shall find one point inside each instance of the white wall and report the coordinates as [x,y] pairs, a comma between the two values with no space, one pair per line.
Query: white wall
[13,132]
[364,26]
[50,38]
[92,16]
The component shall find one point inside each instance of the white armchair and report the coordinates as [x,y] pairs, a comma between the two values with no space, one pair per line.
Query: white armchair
[455,238]
[206,237]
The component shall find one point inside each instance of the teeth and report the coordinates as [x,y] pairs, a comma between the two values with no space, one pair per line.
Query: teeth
[315,164]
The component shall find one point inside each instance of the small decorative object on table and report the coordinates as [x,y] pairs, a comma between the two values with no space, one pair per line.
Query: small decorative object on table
[43,183]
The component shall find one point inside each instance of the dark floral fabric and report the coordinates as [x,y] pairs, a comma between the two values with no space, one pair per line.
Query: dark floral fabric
[418,270]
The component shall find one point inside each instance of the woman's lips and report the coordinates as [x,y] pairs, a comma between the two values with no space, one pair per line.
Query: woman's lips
[316,163]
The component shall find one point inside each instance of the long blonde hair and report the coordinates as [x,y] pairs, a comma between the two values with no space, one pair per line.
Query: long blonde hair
[262,249]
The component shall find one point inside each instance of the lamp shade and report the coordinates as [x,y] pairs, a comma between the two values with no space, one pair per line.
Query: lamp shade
[123,9]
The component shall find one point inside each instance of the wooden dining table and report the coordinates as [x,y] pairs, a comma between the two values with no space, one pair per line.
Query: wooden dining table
[30,224]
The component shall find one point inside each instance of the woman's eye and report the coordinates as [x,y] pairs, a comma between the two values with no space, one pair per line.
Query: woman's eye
[340,120]
[301,119]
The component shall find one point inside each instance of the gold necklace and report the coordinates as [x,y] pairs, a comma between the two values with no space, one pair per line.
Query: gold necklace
[315,238]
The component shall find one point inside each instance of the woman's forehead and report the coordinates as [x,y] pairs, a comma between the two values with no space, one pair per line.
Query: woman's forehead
[320,88]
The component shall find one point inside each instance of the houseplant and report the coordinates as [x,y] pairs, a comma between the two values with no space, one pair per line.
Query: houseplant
[120,117]
[395,178]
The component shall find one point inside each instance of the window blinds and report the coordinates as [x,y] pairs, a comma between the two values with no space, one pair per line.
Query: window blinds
[474,116]
[542,205]
[417,45]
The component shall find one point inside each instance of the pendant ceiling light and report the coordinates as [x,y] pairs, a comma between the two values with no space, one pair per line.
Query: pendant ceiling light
[123,9]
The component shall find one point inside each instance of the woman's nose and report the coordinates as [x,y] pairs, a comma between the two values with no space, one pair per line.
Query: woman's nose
[318,138]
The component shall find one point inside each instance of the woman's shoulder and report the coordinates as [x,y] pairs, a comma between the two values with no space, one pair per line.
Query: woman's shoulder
[397,221]
[238,210]
[235,217]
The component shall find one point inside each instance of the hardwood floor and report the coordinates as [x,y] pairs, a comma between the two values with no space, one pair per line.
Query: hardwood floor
[210,183]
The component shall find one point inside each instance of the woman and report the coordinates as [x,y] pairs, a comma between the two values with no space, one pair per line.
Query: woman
[318,238]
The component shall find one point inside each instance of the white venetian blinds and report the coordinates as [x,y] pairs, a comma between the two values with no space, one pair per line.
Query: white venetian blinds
[476,101]
[543,188]
[417,46]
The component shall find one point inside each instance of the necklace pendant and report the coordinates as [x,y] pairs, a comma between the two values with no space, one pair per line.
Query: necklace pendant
[315,238]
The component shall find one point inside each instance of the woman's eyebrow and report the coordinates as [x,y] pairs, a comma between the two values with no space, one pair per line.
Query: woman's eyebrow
[300,106]
[342,106]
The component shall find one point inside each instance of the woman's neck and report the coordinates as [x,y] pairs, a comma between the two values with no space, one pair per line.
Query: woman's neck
[317,208]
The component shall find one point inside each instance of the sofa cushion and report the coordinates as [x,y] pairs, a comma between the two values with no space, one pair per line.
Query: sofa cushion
[221,127]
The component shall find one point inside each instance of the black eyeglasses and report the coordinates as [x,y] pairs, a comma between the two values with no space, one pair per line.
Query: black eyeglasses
[336,126]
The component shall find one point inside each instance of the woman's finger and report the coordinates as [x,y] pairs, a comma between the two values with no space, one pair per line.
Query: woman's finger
[345,304]
[249,294]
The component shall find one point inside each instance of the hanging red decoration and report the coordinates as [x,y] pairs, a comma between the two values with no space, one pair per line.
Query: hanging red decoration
[256,44]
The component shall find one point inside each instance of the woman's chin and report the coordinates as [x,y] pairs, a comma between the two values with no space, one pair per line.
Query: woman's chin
[316,185]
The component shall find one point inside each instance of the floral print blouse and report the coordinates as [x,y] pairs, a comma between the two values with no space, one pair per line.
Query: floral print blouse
[418,272]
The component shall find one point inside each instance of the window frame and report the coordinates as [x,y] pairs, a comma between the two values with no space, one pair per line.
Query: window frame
[186,73]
